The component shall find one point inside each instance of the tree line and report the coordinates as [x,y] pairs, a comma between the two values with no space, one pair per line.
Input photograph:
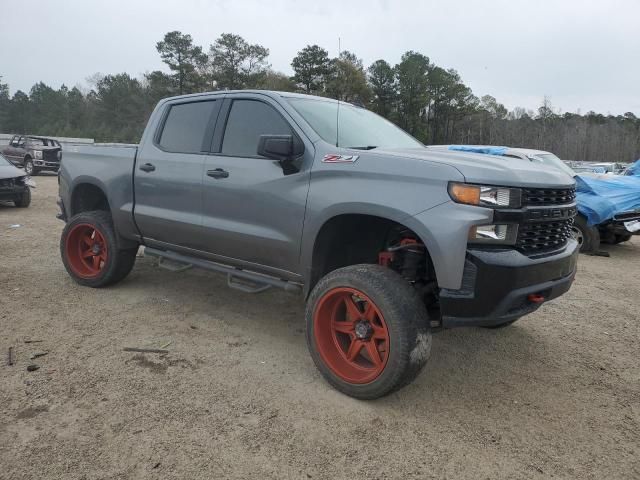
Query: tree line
[430,102]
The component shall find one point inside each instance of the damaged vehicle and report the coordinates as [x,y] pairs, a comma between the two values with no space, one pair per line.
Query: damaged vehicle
[34,154]
[15,186]
[608,205]
[385,240]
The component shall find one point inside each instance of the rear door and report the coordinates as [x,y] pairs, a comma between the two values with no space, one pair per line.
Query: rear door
[168,174]
[253,211]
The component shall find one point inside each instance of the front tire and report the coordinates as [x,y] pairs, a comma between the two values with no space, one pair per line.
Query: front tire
[367,330]
[29,169]
[24,200]
[90,253]
[588,237]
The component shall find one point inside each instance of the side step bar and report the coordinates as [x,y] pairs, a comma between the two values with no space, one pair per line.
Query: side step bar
[257,282]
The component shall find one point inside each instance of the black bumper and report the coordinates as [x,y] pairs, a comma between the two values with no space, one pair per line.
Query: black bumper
[497,286]
[11,193]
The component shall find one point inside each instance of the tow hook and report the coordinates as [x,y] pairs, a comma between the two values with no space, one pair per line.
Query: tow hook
[535,298]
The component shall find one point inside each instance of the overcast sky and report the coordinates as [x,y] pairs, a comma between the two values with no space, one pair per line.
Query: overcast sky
[583,54]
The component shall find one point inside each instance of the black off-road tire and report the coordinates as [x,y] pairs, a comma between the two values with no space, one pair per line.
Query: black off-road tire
[24,200]
[119,262]
[406,319]
[590,236]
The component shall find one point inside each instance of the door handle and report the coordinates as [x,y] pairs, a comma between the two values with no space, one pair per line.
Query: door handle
[147,167]
[218,173]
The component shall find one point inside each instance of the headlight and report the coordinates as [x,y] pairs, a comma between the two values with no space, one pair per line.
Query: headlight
[505,234]
[485,195]
[38,154]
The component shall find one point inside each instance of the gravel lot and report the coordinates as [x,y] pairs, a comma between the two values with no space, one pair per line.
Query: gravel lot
[555,395]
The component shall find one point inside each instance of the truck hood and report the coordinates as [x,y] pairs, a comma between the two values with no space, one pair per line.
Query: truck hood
[9,171]
[488,169]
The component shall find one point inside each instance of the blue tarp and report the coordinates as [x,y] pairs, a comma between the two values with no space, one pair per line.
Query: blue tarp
[485,150]
[599,199]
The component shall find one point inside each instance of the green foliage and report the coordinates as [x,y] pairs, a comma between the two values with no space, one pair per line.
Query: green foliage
[183,58]
[236,64]
[384,88]
[311,67]
[347,81]
[430,102]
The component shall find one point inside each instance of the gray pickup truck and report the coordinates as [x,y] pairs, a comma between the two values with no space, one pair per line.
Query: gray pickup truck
[386,240]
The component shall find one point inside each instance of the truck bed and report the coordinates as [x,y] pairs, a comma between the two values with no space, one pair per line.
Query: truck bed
[113,165]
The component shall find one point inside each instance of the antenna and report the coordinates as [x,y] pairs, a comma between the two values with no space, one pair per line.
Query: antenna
[338,109]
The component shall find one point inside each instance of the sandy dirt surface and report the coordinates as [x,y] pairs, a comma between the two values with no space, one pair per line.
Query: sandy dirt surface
[555,395]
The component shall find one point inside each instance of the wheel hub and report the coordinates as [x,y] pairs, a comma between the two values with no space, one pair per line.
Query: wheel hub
[351,335]
[363,330]
[96,248]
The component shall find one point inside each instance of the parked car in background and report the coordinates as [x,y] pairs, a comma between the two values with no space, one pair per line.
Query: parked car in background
[14,184]
[611,168]
[34,154]
[608,204]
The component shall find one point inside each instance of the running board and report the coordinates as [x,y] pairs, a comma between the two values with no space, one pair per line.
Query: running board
[243,280]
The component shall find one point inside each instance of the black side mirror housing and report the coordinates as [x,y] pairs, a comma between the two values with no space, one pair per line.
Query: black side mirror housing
[284,148]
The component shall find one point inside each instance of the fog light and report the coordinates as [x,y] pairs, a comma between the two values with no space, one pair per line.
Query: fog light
[500,233]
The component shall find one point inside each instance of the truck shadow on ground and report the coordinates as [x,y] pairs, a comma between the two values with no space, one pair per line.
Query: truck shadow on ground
[467,361]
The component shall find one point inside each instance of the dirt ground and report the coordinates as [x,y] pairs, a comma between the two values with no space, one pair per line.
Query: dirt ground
[555,395]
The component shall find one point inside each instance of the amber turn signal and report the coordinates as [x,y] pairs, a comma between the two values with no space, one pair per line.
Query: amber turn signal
[461,193]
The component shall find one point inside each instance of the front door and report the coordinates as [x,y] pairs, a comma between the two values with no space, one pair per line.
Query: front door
[253,211]
[168,174]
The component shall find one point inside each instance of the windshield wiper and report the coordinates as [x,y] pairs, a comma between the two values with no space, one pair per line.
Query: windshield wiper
[368,147]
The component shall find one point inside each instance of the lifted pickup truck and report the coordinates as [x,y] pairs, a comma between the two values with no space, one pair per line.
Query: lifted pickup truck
[386,240]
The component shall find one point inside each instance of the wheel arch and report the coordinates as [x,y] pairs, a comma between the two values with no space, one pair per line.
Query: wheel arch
[87,196]
[349,238]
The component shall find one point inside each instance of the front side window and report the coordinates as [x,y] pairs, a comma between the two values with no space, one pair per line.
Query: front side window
[185,126]
[248,119]
[356,127]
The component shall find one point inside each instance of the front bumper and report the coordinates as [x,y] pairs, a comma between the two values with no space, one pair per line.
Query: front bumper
[497,285]
[46,165]
[11,193]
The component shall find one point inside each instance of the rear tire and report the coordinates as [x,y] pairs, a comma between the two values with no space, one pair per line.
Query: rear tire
[89,250]
[367,330]
[24,200]
[588,237]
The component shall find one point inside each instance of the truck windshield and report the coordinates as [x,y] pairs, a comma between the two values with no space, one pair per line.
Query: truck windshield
[358,128]
[552,160]
[4,162]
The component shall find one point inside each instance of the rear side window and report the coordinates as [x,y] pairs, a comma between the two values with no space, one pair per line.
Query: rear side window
[185,127]
[248,119]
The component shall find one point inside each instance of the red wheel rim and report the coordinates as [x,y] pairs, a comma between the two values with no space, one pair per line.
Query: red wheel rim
[86,250]
[351,335]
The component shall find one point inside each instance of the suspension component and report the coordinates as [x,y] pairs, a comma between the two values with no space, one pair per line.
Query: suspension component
[407,258]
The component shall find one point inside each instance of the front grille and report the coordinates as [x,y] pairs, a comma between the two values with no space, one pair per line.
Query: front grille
[539,237]
[532,197]
[51,156]
[543,237]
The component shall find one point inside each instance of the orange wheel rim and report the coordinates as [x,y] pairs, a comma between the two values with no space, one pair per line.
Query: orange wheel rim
[351,335]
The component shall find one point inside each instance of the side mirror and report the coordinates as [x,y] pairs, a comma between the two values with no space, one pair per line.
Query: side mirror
[284,148]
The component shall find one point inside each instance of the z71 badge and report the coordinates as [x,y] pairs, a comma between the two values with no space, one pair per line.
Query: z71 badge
[333,158]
